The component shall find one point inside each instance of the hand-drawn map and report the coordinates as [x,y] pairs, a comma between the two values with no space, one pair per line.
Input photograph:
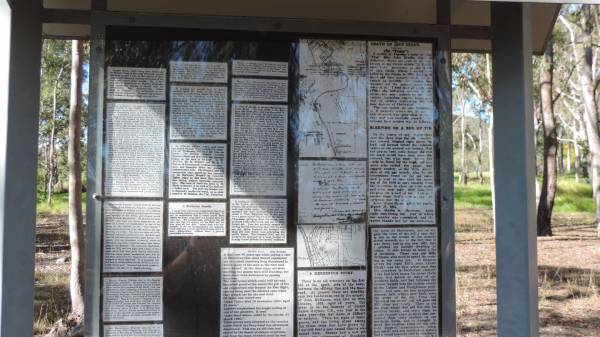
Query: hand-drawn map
[333,91]
[331,245]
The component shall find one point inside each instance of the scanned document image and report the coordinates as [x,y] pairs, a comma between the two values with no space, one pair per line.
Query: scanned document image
[198,170]
[198,112]
[197,219]
[132,236]
[337,245]
[401,175]
[258,220]
[332,303]
[400,83]
[135,149]
[259,149]
[133,330]
[257,292]
[136,83]
[333,98]
[331,191]
[259,68]
[127,299]
[404,264]
[198,72]
[401,128]
[259,90]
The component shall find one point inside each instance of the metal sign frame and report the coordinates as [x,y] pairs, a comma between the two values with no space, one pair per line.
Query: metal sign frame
[439,33]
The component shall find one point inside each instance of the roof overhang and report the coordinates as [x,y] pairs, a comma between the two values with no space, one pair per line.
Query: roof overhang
[470,19]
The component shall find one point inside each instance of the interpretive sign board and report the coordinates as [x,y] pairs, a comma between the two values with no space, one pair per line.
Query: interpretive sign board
[270,185]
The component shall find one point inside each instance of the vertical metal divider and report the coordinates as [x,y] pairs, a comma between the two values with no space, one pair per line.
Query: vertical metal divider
[228,163]
[293,83]
[93,223]
[166,174]
[445,195]
[292,172]
[369,284]
[93,264]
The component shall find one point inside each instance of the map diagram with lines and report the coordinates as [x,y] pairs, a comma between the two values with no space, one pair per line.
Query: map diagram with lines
[333,106]
[331,245]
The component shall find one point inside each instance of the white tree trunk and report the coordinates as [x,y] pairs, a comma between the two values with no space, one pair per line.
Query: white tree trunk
[590,114]
[463,144]
[480,151]
[76,234]
[491,160]
[569,167]
[551,145]
[51,143]
[577,160]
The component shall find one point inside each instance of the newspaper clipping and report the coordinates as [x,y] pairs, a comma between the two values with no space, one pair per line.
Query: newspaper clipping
[128,299]
[257,292]
[197,219]
[146,84]
[258,220]
[133,330]
[198,170]
[198,112]
[134,149]
[332,191]
[332,303]
[401,175]
[401,161]
[405,281]
[259,149]
[259,90]
[132,236]
[259,68]
[198,72]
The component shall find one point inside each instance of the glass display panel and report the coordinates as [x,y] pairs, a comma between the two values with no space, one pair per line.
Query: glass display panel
[262,184]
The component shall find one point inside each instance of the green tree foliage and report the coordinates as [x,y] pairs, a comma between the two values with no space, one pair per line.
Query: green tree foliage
[54,115]
[472,90]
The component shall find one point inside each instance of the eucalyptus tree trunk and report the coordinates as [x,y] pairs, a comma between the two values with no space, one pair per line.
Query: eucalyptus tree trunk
[560,159]
[51,166]
[548,188]
[490,112]
[589,101]
[577,160]
[76,235]
[569,167]
[480,150]
[463,144]
[583,53]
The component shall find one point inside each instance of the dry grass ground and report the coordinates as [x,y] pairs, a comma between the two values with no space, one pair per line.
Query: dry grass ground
[569,275]
[51,272]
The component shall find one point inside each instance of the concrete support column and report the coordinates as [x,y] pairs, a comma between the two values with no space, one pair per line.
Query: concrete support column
[20,48]
[514,163]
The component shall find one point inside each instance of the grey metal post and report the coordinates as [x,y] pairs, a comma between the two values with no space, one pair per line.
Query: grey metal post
[514,162]
[94,181]
[447,241]
[19,112]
